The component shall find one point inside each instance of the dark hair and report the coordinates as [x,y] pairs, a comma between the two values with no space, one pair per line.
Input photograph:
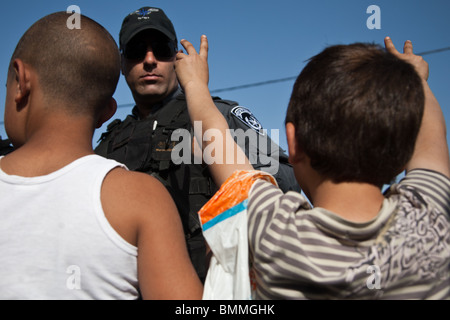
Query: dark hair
[78,67]
[357,110]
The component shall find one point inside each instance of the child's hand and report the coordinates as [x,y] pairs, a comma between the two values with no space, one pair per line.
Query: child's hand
[192,68]
[417,61]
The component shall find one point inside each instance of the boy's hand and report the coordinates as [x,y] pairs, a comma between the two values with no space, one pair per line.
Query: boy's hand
[417,61]
[192,68]
[431,150]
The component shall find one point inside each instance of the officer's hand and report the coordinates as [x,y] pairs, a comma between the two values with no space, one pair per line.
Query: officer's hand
[192,68]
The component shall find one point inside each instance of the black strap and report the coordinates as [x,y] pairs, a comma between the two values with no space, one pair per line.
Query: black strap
[5,147]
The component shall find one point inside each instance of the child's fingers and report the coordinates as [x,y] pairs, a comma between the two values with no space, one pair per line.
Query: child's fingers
[390,46]
[204,47]
[408,47]
[188,47]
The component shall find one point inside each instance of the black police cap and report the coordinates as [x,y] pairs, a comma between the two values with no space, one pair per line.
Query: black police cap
[144,19]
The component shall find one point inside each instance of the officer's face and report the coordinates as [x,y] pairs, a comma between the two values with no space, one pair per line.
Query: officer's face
[148,66]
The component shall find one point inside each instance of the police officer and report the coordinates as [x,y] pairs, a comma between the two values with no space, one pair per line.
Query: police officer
[145,141]
[5,147]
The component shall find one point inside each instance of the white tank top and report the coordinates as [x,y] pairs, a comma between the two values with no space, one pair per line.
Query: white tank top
[55,241]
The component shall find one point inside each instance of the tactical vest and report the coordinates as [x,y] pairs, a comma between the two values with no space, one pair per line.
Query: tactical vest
[146,146]
[5,147]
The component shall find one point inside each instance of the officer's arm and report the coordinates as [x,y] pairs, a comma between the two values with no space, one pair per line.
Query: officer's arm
[221,153]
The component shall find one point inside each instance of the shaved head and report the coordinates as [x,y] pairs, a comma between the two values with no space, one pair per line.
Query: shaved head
[77,68]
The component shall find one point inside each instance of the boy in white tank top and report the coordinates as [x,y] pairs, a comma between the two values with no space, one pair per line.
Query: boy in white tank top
[74,225]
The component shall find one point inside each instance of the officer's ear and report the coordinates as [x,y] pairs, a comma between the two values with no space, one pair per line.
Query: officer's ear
[107,114]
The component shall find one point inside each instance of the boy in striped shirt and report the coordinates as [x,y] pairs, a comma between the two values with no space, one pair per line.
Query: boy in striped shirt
[358,116]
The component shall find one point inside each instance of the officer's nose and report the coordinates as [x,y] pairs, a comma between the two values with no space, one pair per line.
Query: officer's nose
[149,56]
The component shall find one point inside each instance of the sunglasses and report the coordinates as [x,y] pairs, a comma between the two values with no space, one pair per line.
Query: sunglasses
[162,50]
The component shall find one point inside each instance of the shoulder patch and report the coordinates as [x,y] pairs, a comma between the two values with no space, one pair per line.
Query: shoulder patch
[247,117]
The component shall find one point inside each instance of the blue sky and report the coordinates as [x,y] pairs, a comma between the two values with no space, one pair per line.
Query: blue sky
[253,41]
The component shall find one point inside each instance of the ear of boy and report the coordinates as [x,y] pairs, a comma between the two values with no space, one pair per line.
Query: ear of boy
[299,161]
[295,154]
[23,81]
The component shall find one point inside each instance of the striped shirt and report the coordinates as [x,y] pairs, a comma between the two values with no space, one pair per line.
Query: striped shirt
[299,252]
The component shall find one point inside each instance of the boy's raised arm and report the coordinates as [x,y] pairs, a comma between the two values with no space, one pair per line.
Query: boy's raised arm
[431,150]
[193,75]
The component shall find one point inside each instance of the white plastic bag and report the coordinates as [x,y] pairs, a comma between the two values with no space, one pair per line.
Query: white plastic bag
[224,223]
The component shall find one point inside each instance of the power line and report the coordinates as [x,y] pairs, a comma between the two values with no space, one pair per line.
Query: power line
[263,83]
[257,84]
[433,51]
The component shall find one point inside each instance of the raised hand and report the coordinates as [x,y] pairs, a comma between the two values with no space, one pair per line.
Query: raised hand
[431,151]
[417,61]
[192,68]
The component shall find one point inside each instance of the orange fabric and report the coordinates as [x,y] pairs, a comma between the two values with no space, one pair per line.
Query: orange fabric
[232,192]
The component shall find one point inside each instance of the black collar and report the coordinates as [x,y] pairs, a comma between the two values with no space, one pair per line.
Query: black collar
[157,107]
